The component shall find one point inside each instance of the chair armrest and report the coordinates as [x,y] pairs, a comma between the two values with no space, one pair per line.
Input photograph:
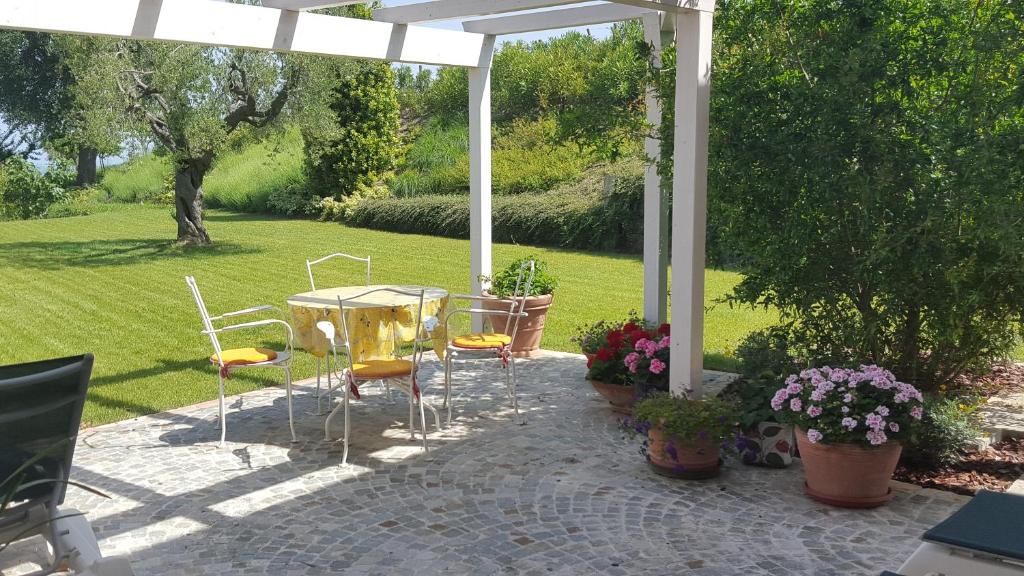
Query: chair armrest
[257,324]
[246,311]
[488,298]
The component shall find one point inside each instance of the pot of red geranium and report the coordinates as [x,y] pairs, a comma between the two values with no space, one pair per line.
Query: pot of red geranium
[684,438]
[848,429]
[617,372]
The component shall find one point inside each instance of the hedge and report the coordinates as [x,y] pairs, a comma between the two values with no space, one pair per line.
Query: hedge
[587,219]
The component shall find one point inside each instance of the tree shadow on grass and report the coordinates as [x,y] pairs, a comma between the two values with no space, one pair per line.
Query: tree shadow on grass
[96,253]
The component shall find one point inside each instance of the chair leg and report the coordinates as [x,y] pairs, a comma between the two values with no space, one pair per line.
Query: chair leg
[318,385]
[348,428]
[448,387]
[288,392]
[330,416]
[223,422]
[423,423]
[330,388]
[412,419]
[519,419]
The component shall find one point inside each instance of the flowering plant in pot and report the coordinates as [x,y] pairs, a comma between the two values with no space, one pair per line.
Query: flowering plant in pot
[538,301]
[849,424]
[684,438]
[621,369]
[592,337]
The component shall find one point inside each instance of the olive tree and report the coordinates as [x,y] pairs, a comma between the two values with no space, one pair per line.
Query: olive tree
[189,99]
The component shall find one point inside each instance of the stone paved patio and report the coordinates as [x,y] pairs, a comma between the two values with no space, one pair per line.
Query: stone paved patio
[566,494]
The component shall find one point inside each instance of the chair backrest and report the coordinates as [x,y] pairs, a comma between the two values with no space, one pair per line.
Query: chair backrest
[524,283]
[40,412]
[205,316]
[345,305]
[310,264]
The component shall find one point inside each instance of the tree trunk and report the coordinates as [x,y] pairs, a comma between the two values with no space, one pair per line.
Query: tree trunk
[188,200]
[86,166]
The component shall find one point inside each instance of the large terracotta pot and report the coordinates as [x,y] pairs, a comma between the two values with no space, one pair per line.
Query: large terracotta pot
[531,328]
[848,475]
[694,460]
[620,397]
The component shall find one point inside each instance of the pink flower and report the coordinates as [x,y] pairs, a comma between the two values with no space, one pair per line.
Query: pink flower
[796,405]
[894,427]
[779,398]
[882,411]
[794,388]
[814,411]
[877,437]
[657,366]
[874,421]
[813,436]
[817,396]
[665,342]
[641,344]
[848,398]
[850,423]
[631,358]
[917,412]
[845,409]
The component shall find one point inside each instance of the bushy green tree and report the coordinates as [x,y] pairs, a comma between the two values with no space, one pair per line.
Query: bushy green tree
[27,193]
[359,142]
[191,99]
[867,157]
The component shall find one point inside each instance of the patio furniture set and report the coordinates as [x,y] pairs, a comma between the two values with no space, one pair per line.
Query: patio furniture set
[369,333]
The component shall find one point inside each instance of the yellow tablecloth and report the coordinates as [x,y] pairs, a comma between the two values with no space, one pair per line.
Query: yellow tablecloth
[371,319]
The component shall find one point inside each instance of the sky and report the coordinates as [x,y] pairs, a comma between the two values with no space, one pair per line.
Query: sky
[598,31]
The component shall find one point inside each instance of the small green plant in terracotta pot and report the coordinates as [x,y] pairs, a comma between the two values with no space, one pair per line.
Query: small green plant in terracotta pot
[538,301]
[684,438]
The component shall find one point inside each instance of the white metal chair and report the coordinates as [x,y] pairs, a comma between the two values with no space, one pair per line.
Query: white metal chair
[483,345]
[236,358]
[398,371]
[312,285]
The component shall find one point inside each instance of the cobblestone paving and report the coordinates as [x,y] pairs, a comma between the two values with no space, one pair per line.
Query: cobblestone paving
[565,494]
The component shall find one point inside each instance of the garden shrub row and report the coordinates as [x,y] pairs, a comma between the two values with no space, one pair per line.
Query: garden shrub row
[571,218]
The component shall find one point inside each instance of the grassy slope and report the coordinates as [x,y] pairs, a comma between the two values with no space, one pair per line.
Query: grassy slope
[111,283]
[240,179]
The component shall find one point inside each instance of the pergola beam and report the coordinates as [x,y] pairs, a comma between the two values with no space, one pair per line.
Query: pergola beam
[454,9]
[672,6]
[554,19]
[243,26]
[298,5]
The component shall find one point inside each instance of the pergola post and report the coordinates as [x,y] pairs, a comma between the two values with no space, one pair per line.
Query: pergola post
[480,172]
[656,218]
[689,199]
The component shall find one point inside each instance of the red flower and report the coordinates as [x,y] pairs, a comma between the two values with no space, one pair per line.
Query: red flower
[590,360]
[630,327]
[782,447]
[665,329]
[605,354]
[615,338]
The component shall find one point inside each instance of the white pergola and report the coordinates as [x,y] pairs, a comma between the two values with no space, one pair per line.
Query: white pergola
[397,34]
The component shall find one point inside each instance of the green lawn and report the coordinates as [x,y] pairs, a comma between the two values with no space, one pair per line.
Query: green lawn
[112,283]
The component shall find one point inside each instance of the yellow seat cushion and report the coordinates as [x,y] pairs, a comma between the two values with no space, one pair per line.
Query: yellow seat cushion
[377,369]
[237,356]
[482,341]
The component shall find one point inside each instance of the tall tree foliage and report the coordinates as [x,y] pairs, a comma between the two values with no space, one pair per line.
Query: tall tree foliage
[190,99]
[867,158]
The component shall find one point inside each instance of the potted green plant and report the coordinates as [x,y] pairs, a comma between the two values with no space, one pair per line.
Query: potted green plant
[632,361]
[684,438]
[849,424]
[538,301]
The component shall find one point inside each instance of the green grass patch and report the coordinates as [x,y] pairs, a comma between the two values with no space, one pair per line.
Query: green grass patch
[112,283]
[137,180]
[243,179]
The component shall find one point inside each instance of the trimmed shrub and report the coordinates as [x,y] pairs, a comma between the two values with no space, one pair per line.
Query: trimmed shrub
[571,218]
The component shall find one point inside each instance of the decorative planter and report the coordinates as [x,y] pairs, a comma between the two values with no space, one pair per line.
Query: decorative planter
[531,328]
[769,444]
[620,397]
[848,475]
[693,460]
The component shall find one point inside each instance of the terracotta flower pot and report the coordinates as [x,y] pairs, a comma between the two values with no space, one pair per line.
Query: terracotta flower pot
[848,475]
[531,328]
[620,397]
[695,459]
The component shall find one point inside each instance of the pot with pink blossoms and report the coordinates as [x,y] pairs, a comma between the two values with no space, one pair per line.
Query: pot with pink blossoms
[849,423]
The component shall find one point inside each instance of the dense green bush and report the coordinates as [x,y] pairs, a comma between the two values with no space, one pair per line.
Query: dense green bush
[867,159]
[361,143]
[27,193]
[573,216]
[766,355]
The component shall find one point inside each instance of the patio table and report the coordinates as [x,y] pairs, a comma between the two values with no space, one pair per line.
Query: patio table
[371,319]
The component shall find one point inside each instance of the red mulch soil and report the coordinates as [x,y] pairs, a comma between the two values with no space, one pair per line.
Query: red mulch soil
[994,469]
[1002,379]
